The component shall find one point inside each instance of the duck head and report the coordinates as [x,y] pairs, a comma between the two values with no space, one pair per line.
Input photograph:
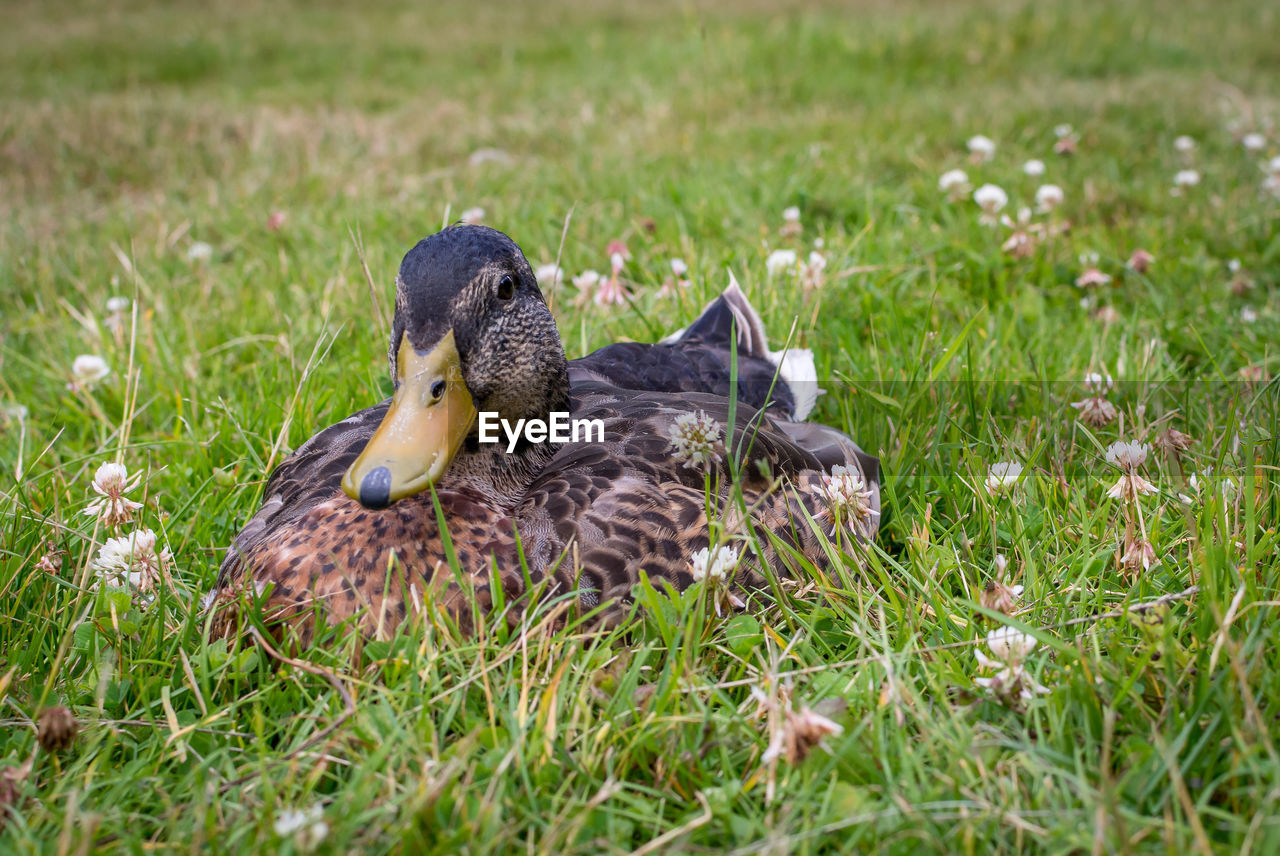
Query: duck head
[471,333]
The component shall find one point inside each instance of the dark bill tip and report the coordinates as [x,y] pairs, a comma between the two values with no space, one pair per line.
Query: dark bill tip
[375,489]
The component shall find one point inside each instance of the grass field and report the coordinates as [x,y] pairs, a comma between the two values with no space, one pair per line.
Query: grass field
[230,169]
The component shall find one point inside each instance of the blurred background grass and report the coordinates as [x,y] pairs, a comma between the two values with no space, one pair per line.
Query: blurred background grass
[129,132]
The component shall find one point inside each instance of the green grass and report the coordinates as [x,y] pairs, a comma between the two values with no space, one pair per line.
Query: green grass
[130,131]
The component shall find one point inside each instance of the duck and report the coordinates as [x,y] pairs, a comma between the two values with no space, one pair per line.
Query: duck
[350,529]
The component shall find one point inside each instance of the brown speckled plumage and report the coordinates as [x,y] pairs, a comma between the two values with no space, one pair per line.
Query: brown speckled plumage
[591,516]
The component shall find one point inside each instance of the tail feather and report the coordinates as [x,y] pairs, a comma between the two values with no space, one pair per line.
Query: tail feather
[797,368]
[732,312]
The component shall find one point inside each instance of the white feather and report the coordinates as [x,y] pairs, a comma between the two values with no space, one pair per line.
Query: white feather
[795,366]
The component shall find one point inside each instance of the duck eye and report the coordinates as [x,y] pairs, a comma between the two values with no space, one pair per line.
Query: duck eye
[437,390]
[506,288]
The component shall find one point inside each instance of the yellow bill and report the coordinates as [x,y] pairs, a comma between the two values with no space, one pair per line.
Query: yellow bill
[430,415]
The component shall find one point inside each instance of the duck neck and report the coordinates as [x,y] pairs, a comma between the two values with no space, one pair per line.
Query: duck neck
[501,477]
[503,471]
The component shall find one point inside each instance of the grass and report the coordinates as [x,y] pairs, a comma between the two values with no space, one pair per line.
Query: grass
[131,131]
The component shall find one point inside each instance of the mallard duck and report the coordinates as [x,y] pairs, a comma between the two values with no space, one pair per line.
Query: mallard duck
[349,525]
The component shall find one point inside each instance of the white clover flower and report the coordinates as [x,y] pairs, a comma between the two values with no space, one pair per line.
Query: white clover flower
[1173,442]
[1137,555]
[1254,142]
[1003,476]
[780,261]
[1271,185]
[791,214]
[812,273]
[679,269]
[1140,261]
[819,243]
[991,199]
[1010,645]
[308,828]
[715,566]
[1022,221]
[1063,130]
[111,483]
[848,498]
[1098,382]
[1096,411]
[1021,244]
[1184,144]
[548,275]
[800,731]
[1248,315]
[1048,197]
[87,370]
[592,287]
[1129,457]
[696,438]
[983,148]
[132,560]
[1186,178]
[1233,265]
[472,216]
[1034,168]
[955,184]
[117,305]
[1272,167]
[1009,648]
[1254,373]
[999,596]
[1092,277]
[199,251]
[611,292]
